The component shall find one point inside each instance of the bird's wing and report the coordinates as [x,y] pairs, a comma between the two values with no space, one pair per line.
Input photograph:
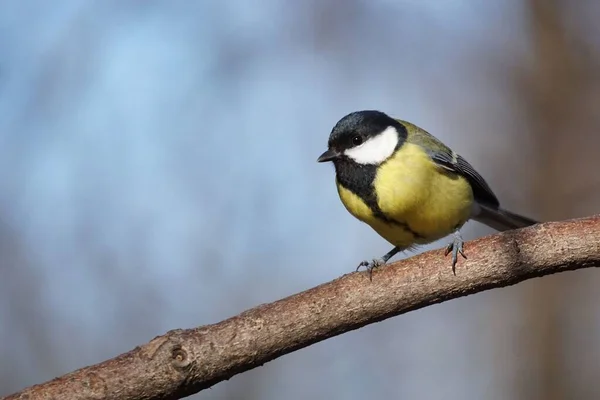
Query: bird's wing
[453,162]
[446,158]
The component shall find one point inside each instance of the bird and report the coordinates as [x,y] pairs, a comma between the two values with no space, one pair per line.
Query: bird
[408,186]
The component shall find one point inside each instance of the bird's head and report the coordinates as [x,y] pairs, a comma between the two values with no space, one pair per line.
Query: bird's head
[364,137]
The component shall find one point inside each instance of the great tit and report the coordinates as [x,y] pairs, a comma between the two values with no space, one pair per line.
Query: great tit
[408,186]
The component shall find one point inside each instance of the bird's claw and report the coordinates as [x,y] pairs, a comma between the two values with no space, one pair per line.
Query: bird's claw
[456,247]
[371,265]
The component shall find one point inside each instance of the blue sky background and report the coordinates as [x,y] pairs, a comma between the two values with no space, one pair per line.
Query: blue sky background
[157,171]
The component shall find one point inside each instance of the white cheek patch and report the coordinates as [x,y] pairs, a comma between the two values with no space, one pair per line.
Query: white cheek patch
[377,149]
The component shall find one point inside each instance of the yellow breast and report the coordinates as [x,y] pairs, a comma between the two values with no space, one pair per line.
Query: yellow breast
[393,233]
[412,190]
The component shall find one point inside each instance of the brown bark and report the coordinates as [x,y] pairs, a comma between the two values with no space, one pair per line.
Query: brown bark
[183,362]
[554,95]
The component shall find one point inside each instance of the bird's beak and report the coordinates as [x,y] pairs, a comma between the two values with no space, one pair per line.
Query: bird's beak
[329,155]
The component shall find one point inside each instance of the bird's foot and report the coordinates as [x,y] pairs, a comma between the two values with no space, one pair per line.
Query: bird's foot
[456,247]
[371,265]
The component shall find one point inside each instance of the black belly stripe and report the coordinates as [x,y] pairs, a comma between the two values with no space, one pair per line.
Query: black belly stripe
[379,214]
[359,179]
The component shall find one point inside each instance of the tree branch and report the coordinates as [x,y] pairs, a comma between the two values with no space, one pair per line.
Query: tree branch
[183,362]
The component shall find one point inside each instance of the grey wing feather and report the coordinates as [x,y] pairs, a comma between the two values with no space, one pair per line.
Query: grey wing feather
[455,163]
[488,210]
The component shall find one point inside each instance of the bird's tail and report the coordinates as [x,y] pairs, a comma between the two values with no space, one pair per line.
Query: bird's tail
[501,219]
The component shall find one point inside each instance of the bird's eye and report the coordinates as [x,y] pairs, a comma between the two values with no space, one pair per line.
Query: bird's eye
[357,140]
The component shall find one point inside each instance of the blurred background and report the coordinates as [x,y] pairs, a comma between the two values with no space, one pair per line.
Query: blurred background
[157,171]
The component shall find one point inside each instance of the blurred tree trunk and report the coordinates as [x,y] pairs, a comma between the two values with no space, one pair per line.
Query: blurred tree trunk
[556,95]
